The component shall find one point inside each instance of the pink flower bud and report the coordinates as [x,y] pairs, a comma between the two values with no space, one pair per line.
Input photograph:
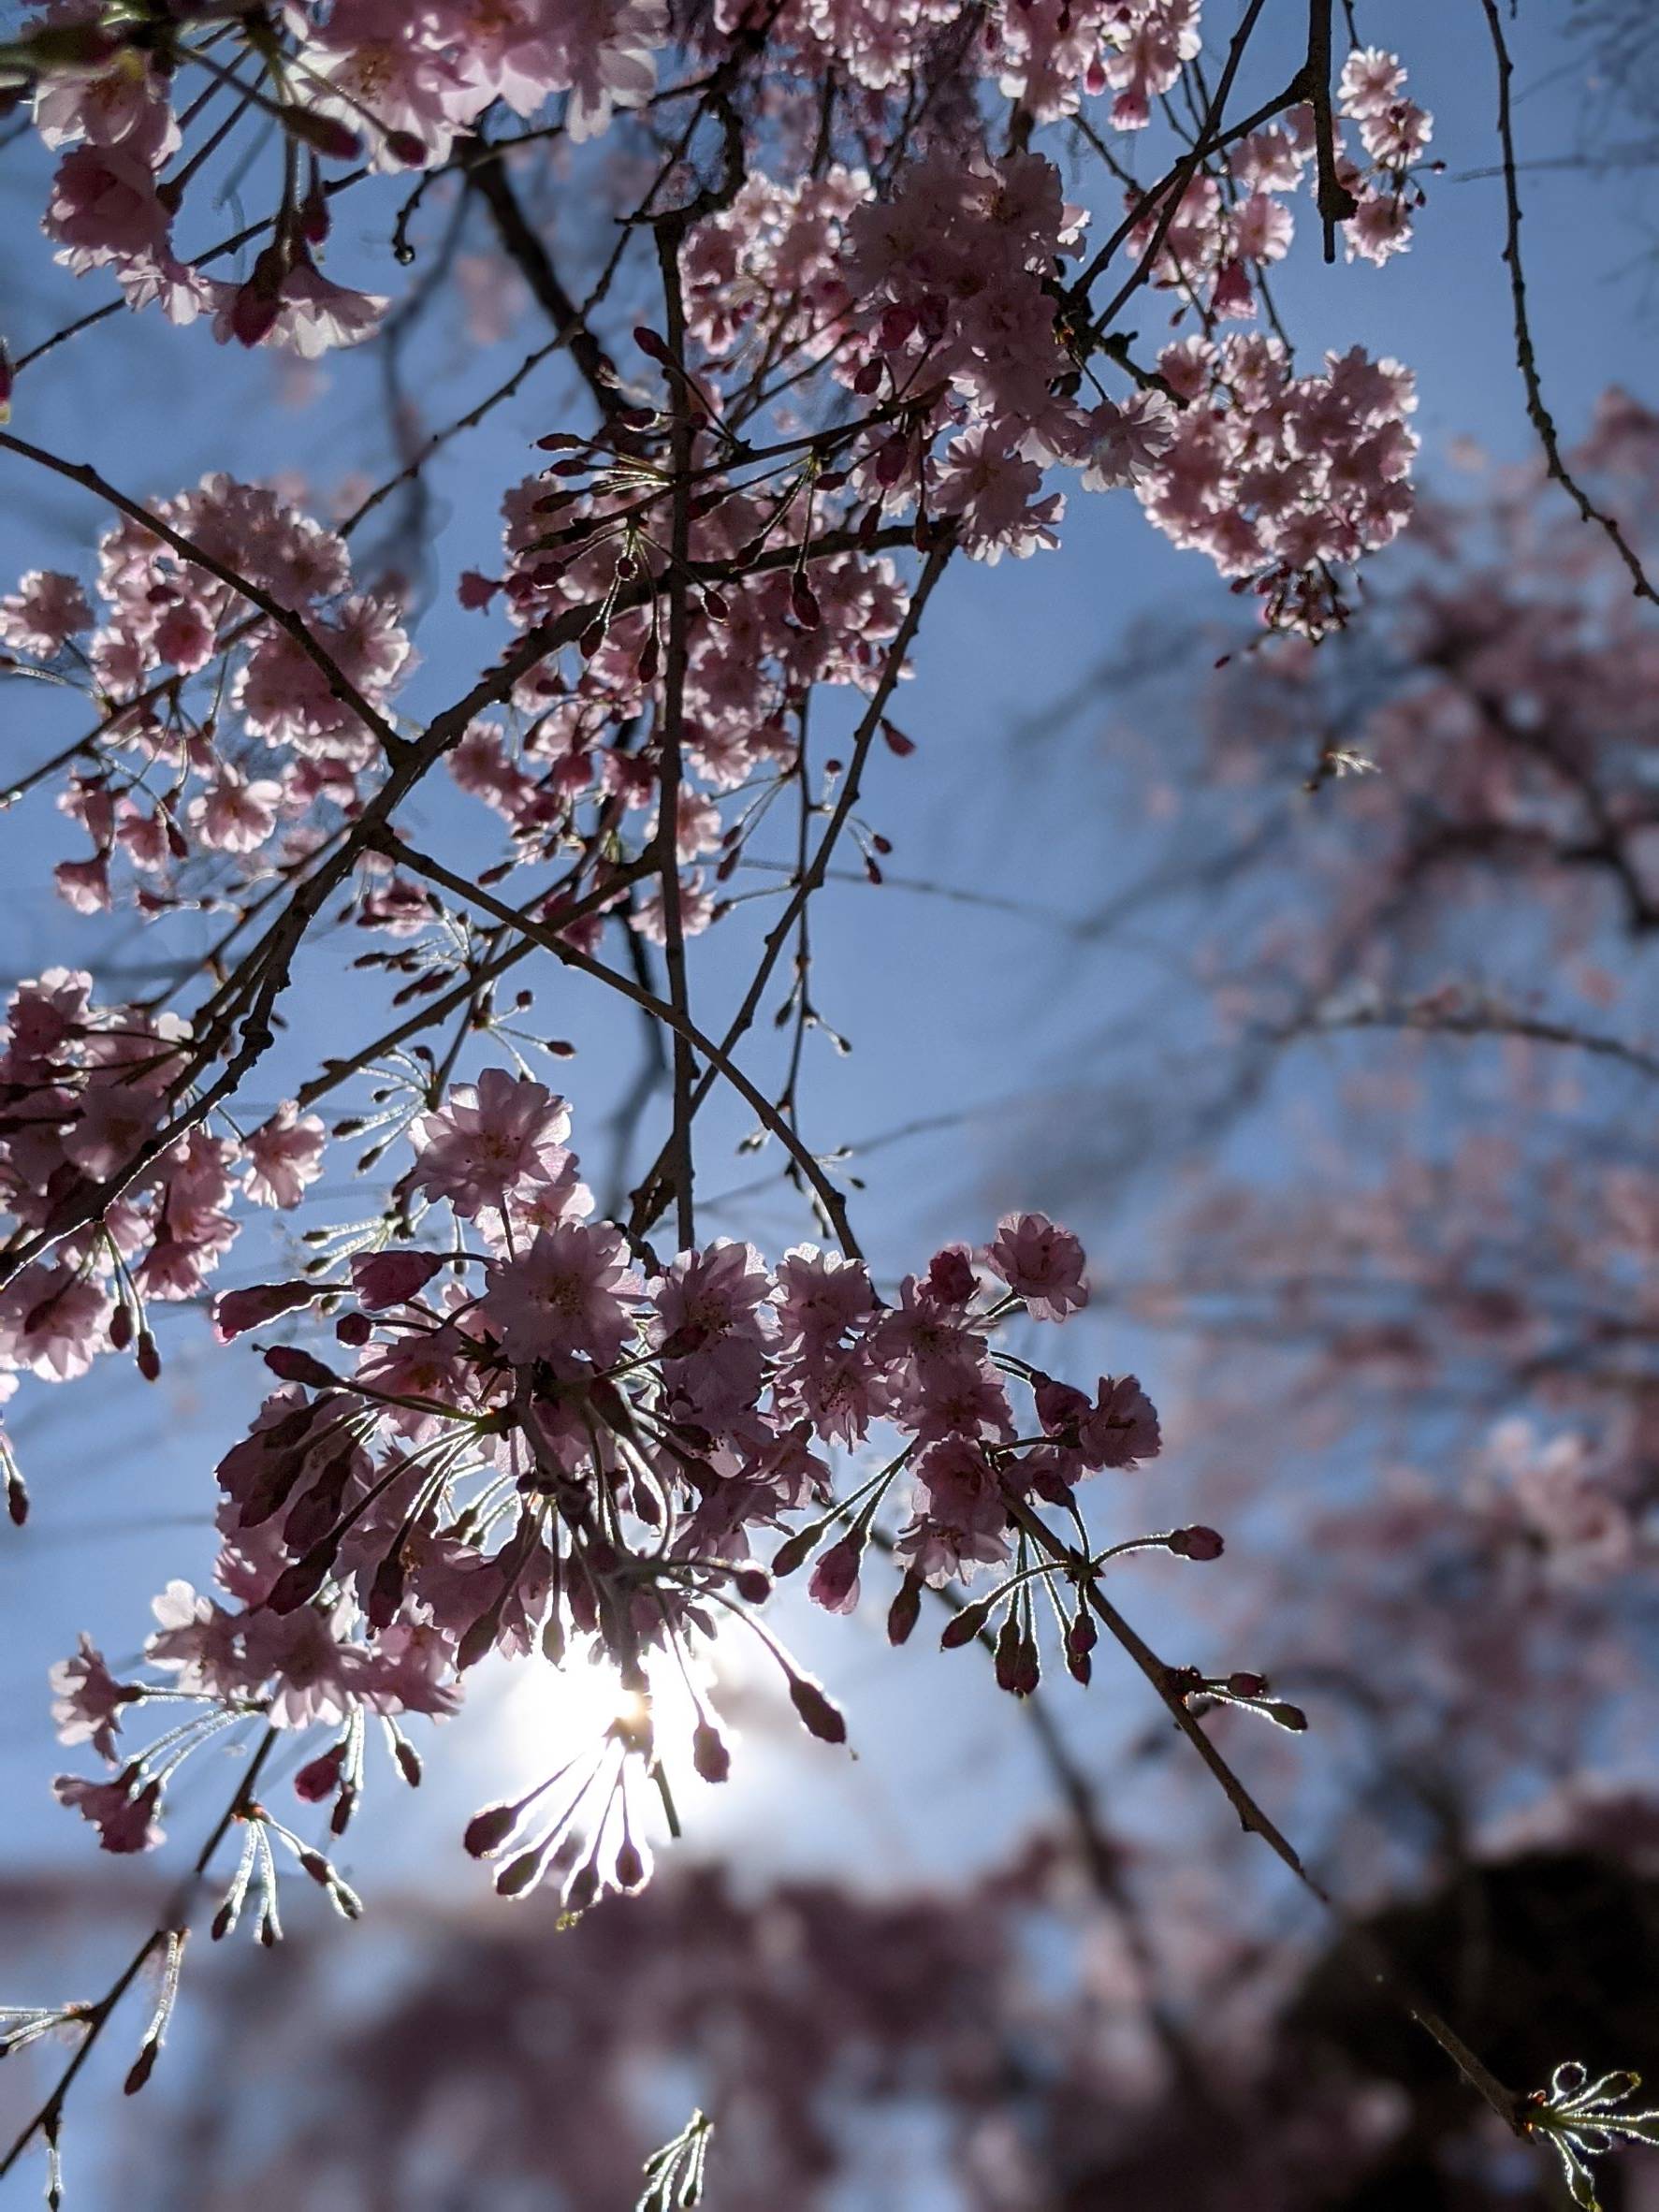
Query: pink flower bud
[1195,1543]
[325,134]
[905,1610]
[834,1578]
[235,1312]
[950,1278]
[520,1875]
[392,1278]
[963,1626]
[486,1832]
[319,1778]
[289,1363]
[824,1720]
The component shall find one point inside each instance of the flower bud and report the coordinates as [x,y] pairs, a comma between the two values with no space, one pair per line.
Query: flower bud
[834,1578]
[582,1888]
[319,1778]
[392,1278]
[1195,1543]
[632,1872]
[950,1276]
[235,1312]
[289,1363]
[141,2069]
[823,1719]
[905,1610]
[486,1832]
[963,1626]
[297,1585]
[1008,1655]
[520,1875]
[792,1553]
[710,1754]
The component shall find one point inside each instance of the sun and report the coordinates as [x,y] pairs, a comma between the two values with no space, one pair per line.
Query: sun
[551,1713]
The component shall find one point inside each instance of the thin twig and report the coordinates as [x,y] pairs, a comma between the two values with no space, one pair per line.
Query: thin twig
[1526,359]
[680,1024]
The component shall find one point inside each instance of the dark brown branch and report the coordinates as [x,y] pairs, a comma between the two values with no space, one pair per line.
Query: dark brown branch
[670,232]
[1526,359]
[486,170]
[1334,202]
[647,1205]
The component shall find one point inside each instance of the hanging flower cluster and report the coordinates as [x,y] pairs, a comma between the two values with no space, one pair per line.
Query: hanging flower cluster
[529,1444]
[930,272]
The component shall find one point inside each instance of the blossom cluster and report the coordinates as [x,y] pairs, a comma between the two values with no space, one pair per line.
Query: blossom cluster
[535,1440]
[924,271]
[944,302]
[758,642]
[168,786]
[86,1095]
[1214,236]
[357,78]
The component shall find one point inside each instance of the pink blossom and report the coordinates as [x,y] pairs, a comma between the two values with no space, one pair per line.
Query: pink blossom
[602,51]
[52,1322]
[285,1157]
[88,1701]
[197,1639]
[1370,82]
[1127,439]
[84,884]
[995,493]
[821,1295]
[712,1324]
[1039,1263]
[44,613]
[834,1578]
[372,59]
[488,1140]
[564,1297]
[302,310]
[234,814]
[412,1671]
[315,1674]
[1122,1429]
[122,1812]
[104,207]
[696,909]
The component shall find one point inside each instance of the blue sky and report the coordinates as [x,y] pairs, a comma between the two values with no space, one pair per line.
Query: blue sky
[984,1005]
